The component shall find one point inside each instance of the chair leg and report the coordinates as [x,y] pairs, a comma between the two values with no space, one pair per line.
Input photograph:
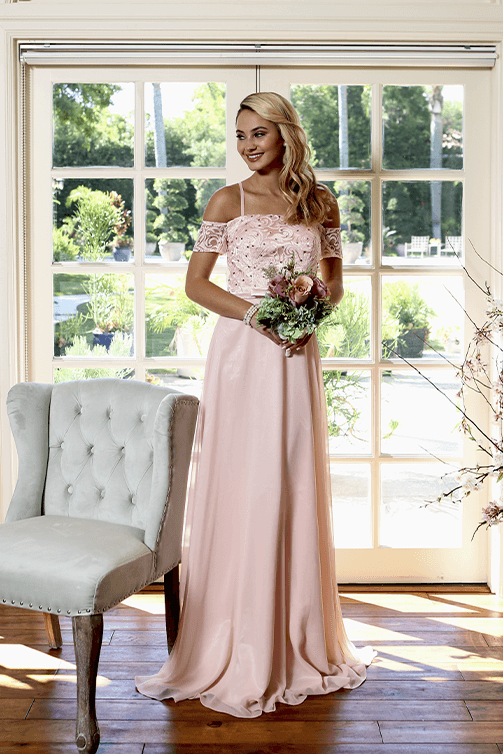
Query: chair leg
[172,603]
[53,631]
[87,637]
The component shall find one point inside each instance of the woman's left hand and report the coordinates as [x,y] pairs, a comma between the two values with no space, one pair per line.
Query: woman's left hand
[291,347]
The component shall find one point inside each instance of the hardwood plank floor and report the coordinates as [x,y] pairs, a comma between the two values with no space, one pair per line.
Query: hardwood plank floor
[436,686]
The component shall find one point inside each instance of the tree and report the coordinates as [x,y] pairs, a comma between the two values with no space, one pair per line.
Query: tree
[81,105]
[343,126]
[159,138]
[204,126]
[435,106]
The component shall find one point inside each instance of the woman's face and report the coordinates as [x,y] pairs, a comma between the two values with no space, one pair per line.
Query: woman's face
[259,142]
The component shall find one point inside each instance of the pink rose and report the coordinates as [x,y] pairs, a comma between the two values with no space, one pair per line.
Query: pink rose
[301,289]
[319,288]
[278,286]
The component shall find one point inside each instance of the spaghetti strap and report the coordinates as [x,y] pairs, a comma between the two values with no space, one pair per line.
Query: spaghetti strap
[242,192]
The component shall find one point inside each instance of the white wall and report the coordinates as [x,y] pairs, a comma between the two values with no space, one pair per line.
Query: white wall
[236,20]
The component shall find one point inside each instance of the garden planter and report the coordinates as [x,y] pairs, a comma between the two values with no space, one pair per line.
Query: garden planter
[102,338]
[352,251]
[410,343]
[150,247]
[122,254]
[170,251]
[106,338]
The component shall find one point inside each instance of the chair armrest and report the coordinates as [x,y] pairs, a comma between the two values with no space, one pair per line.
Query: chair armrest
[173,437]
[28,411]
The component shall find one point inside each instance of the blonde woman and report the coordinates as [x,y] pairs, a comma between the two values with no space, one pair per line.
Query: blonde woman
[260,616]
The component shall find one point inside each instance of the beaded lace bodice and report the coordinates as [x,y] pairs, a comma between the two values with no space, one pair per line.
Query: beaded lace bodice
[253,242]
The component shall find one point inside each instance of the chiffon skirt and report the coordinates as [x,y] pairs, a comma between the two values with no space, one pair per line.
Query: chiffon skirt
[260,618]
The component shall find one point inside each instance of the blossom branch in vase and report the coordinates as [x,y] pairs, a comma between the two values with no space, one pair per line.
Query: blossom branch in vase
[475,376]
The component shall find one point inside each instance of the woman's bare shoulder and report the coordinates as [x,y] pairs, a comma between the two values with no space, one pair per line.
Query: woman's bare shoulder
[224,205]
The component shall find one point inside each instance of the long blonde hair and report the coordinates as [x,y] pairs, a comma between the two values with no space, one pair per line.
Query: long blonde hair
[297,182]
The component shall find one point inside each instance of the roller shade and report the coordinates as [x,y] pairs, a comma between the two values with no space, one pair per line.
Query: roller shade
[188,53]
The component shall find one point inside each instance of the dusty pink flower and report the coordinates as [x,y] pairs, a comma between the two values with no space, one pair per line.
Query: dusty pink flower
[277,286]
[319,288]
[301,289]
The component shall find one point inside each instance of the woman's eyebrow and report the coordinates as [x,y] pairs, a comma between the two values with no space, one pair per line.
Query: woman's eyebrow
[257,128]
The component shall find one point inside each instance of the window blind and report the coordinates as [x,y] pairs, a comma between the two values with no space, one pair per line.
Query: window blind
[266,53]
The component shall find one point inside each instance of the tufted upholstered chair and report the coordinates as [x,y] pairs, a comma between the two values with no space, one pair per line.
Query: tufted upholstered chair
[98,509]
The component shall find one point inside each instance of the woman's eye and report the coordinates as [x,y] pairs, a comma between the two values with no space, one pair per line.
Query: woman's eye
[259,133]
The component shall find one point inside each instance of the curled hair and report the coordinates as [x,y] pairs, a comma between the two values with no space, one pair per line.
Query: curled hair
[297,182]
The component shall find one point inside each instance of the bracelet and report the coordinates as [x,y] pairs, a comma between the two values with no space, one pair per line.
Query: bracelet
[249,314]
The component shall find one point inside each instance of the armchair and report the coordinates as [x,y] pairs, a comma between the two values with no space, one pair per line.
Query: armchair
[97,513]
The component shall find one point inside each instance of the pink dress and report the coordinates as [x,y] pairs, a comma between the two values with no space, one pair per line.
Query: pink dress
[260,618]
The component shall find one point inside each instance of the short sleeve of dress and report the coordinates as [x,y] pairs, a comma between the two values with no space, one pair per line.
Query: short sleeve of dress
[331,245]
[212,237]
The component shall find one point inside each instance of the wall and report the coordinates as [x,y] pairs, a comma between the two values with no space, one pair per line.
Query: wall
[237,20]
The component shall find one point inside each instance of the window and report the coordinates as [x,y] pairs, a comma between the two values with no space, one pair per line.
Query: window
[405,151]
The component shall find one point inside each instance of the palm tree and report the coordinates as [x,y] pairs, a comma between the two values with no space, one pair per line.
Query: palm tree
[435,106]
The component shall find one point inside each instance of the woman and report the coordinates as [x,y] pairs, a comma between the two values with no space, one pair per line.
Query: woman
[260,620]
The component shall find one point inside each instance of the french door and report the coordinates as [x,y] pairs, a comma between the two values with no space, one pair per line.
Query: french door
[407,154]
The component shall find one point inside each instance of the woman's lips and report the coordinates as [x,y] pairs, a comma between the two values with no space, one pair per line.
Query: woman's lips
[254,157]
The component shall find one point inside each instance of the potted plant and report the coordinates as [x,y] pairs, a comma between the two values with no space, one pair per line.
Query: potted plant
[351,206]
[96,221]
[151,243]
[110,307]
[122,248]
[171,223]
[122,243]
[403,302]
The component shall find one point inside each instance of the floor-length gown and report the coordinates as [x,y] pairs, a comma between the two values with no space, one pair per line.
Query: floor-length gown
[260,616]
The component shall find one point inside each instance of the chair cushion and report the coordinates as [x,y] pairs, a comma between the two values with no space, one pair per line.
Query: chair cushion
[71,566]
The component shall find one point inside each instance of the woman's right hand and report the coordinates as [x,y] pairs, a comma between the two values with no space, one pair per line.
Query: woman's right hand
[291,347]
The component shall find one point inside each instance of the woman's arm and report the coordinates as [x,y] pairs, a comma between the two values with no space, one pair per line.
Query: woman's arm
[198,286]
[331,274]
[331,267]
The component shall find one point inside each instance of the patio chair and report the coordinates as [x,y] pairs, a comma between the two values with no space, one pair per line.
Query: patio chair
[97,513]
[453,245]
[418,245]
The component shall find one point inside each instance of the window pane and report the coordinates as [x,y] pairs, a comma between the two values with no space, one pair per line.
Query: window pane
[415,418]
[350,503]
[422,317]
[353,198]
[67,374]
[423,127]
[93,315]
[185,379]
[422,222]
[347,333]
[185,124]
[175,325]
[405,519]
[337,123]
[92,220]
[93,125]
[348,397]
[174,211]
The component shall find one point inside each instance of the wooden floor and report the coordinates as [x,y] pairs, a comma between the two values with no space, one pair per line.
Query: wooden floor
[435,688]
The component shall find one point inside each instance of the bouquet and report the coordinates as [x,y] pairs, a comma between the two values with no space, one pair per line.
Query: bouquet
[296,302]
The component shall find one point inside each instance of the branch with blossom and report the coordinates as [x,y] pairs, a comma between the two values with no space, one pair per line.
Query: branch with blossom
[296,302]
[475,374]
